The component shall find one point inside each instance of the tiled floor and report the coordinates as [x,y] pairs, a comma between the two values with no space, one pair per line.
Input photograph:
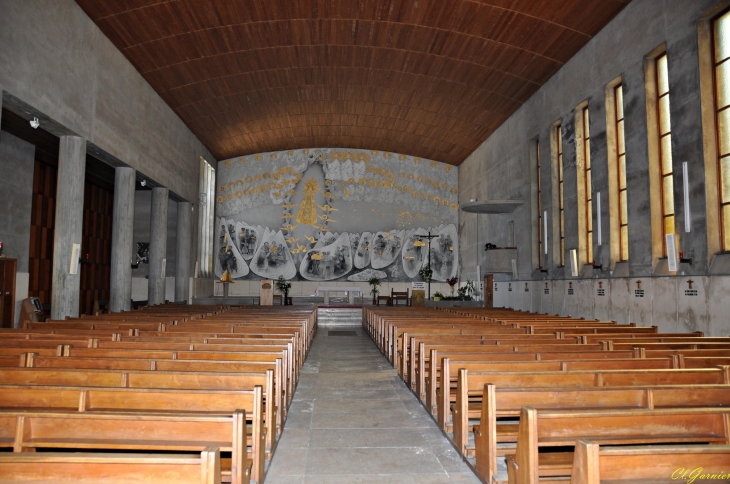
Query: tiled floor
[353,421]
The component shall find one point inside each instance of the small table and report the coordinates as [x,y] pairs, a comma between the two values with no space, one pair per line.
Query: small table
[225,287]
[348,290]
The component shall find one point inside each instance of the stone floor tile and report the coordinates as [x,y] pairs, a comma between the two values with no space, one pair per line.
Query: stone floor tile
[379,460]
[379,479]
[288,461]
[363,438]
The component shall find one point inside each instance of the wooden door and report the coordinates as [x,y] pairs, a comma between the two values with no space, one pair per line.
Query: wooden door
[8,268]
[488,291]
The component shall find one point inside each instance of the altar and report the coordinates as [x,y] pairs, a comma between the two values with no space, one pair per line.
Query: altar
[348,290]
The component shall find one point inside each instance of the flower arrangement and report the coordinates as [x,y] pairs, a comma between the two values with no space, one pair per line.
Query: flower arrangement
[426,273]
[452,284]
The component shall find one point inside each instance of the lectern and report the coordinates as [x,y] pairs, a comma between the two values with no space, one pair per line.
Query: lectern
[266,293]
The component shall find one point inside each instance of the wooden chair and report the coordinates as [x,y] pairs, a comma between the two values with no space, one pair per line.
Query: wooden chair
[277,300]
[396,296]
[387,300]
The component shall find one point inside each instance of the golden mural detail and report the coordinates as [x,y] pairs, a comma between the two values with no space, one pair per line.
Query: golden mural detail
[242,160]
[258,157]
[354,156]
[307,214]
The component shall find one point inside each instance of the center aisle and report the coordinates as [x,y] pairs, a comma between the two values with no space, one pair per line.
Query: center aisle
[352,420]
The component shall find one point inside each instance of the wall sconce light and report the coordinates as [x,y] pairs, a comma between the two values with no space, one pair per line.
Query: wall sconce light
[143,183]
[34,123]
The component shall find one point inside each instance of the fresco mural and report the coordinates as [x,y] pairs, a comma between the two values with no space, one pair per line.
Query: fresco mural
[332,214]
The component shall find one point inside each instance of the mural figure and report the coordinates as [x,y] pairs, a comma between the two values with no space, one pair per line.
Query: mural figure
[307,214]
[362,255]
[328,262]
[273,258]
[414,253]
[228,255]
[385,247]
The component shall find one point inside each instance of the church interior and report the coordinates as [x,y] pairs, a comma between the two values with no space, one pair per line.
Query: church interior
[364,241]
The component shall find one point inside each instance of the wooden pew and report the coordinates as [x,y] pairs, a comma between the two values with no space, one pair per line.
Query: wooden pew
[593,464]
[29,431]
[492,438]
[554,428]
[138,400]
[85,468]
[471,384]
[162,380]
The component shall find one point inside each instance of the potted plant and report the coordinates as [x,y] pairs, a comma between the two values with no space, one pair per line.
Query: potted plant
[437,296]
[426,273]
[374,283]
[466,291]
[283,286]
[452,283]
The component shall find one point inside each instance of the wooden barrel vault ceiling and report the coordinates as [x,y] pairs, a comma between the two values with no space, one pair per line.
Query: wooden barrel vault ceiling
[430,78]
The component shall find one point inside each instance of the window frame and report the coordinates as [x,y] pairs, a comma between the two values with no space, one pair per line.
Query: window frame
[723,225]
[557,243]
[619,252]
[661,136]
[656,200]
[620,128]
[587,184]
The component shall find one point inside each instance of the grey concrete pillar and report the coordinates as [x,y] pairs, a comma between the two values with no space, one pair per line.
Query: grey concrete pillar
[182,253]
[120,294]
[69,222]
[158,246]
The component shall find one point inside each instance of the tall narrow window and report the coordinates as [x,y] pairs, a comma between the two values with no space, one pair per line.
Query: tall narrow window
[623,217]
[665,149]
[721,56]
[588,212]
[206,218]
[561,193]
[540,221]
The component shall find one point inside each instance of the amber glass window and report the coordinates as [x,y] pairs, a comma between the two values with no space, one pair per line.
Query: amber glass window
[587,187]
[721,31]
[665,149]
[559,135]
[623,216]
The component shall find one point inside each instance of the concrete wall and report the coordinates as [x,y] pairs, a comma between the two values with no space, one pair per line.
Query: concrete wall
[500,168]
[56,60]
[17,158]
